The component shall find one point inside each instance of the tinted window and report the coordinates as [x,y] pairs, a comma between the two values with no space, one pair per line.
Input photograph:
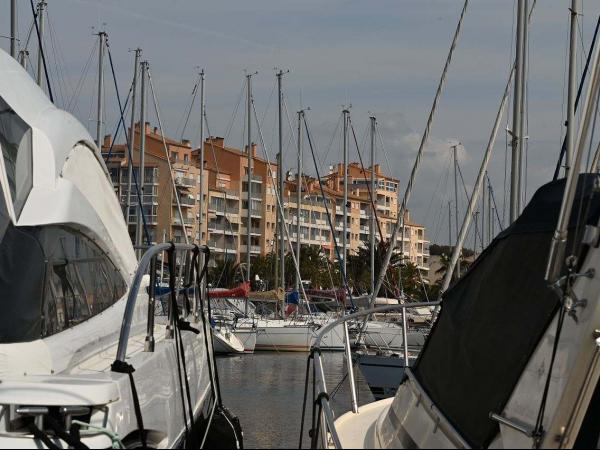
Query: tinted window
[80,280]
[15,142]
[52,278]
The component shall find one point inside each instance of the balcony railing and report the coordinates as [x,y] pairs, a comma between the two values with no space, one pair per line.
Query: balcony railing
[185,182]
[187,221]
[185,201]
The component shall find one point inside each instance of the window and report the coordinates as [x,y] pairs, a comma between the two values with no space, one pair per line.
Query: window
[15,142]
[54,278]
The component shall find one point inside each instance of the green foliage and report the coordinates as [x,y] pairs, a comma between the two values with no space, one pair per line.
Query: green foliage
[226,274]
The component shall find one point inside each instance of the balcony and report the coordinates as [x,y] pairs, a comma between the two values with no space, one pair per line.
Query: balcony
[187,221]
[187,202]
[256,212]
[184,182]
[150,220]
[255,249]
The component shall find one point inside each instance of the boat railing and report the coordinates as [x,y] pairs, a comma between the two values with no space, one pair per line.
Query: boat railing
[326,434]
[182,255]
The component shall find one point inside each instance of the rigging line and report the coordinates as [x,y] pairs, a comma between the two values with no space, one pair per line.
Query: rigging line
[41,50]
[369,187]
[189,109]
[385,154]
[164,142]
[579,91]
[55,67]
[400,222]
[437,188]
[59,56]
[576,247]
[313,215]
[466,193]
[29,33]
[122,121]
[279,198]
[331,227]
[333,136]
[235,111]
[212,146]
[443,201]
[82,78]
[494,201]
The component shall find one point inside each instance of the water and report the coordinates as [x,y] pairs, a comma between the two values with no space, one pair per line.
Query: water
[265,391]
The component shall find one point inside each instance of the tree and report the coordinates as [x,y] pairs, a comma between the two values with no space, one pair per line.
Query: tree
[314,267]
[226,274]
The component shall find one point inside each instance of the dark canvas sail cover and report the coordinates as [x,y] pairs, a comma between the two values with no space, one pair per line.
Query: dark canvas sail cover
[493,318]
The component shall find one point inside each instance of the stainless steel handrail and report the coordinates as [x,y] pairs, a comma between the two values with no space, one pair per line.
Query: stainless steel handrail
[328,430]
[135,288]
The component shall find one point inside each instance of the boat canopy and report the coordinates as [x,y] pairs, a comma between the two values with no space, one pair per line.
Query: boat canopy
[493,318]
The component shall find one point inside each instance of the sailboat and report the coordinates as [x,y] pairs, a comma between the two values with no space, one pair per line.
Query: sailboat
[512,360]
[83,359]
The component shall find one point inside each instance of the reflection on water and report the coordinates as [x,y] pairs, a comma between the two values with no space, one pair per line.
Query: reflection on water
[265,391]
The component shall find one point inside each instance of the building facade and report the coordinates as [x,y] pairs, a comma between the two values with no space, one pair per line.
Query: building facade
[223,224]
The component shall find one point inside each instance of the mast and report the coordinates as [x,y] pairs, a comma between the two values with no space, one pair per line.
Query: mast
[374,198]
[483,218]
[572,91]
[40,62]
[142,166]
[101,47]
[299,198]
[345,226]
[201,196]
[249,178]
[476,218]
[449,225]
[280,218]
[13,28]
[138,53]
[490,216]
[518,111]
[558,245]
[455,148]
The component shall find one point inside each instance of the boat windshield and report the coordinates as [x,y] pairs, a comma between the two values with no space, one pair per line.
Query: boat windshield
[16,146]
[52,278]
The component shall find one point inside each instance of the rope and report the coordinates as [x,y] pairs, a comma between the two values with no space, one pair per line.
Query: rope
[373,206]
[419,156]
[135,177]
[41,49]
[164,142]
[173,318]
[125,368]
[305,398]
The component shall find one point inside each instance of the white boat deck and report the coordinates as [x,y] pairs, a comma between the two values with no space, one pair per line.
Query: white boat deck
[358,430]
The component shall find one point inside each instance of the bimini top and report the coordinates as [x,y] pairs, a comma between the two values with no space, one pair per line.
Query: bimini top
[494,317]
[51,172]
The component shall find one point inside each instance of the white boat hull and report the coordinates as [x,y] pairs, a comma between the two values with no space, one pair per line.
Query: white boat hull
[288,336]
[247,337]
[226,342]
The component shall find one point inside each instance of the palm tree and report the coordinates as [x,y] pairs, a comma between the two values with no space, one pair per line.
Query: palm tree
[226,274]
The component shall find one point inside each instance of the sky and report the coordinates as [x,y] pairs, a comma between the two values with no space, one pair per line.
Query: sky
[381,57]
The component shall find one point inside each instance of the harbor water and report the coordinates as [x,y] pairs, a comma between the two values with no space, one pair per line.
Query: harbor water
[266,390]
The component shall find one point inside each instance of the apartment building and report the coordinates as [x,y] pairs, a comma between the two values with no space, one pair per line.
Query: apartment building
[227,199]
[225,216]
[163,219]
